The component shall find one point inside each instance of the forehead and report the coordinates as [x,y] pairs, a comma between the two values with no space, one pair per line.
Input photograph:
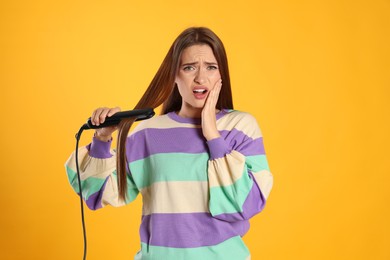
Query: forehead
[196,52]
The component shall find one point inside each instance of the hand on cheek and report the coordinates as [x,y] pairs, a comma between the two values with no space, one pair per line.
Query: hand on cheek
[209,120]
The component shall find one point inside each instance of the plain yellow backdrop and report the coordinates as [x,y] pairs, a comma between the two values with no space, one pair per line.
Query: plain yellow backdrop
[315,74]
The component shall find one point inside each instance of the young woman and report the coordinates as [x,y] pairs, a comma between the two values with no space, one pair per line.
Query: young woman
[200,165]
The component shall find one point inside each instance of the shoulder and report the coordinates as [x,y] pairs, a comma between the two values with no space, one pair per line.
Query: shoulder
[164,121]
[154,122]
[240,115]
[241,121]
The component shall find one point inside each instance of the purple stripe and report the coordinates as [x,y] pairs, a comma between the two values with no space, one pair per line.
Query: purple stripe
[188,230]
[186,140]
[253,204]
[218,148]
[151,141]
[99,149]
[242,143]
[94,201]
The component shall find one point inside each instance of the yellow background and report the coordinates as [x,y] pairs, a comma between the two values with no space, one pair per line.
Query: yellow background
[314,73]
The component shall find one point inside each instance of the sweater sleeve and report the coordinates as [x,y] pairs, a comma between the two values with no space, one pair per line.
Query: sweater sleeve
[97,165]
[239,177]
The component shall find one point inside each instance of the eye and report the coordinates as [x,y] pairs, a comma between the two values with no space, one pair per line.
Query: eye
[187,68]
[212,67]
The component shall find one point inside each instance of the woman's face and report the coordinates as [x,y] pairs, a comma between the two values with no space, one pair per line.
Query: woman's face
[197,75]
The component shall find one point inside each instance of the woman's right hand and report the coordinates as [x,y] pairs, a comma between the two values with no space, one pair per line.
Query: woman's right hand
[98,117]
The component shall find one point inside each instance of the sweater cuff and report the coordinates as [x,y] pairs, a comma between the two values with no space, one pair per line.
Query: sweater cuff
[218,148]
[99,149]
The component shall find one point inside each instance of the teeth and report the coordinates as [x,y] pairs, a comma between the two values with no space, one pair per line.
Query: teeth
[199,90]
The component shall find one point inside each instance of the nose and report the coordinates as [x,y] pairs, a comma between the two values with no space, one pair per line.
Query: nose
[200,77]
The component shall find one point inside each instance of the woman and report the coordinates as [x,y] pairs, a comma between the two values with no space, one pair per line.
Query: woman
[200,165]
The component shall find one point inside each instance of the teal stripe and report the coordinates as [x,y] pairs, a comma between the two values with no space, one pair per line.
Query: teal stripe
[132,190]
[257,163]
[165,167]
[231,249]
[230,199]
[89,186]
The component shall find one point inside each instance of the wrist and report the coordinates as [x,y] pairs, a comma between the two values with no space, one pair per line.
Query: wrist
[212,136]
[103,138]
[218,148]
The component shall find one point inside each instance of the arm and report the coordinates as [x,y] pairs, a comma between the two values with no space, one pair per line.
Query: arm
[97,164]
[239,176]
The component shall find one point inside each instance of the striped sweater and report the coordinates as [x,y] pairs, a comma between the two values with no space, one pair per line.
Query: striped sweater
[197,195]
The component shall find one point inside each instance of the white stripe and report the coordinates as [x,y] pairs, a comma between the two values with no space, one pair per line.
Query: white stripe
[226,170]
[90,166]
[161,122]
[241,121]
[238,120]
[175,197]
[265,181]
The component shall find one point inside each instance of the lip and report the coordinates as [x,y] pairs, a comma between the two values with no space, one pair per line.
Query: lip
[201,87]
[200,95]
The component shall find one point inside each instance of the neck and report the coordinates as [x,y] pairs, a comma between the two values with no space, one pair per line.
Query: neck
[192,113]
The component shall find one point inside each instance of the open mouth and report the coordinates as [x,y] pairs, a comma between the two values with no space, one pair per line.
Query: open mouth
[199,91]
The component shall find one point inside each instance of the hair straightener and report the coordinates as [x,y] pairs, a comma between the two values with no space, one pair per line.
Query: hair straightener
[115,119]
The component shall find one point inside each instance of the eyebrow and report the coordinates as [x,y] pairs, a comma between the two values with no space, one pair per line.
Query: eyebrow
[195,62]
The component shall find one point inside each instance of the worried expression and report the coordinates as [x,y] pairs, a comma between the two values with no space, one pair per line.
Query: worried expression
[197,75]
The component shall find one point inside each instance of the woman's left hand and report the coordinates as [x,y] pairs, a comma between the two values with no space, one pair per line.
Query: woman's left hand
[209,120]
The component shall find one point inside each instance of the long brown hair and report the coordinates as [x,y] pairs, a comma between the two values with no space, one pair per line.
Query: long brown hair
[163,89]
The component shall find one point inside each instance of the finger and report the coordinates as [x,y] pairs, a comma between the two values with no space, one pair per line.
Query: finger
[103,115]
[215,94]
[219,86]
[208,100]
[96,115]
[217,83]
[113,111]
[212,97]
[218,93]
[93,117]
[208,107]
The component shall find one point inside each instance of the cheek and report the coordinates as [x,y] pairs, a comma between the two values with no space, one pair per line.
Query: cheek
[215,76]
[183,81]
[180,86]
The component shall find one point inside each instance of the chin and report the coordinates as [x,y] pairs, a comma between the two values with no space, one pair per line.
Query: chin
[198,105]
[194,104]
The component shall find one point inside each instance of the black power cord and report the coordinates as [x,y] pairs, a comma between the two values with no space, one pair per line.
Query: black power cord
[78,135]
[140,114]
